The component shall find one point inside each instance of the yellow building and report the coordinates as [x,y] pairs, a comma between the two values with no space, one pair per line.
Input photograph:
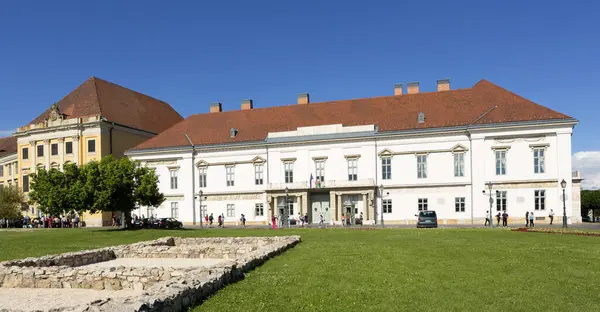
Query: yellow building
[9,167]
[96,119]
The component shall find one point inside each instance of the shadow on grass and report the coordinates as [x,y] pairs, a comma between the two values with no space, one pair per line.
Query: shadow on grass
[136,229]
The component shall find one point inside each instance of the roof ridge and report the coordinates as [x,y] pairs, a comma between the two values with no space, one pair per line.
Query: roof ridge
[93,78]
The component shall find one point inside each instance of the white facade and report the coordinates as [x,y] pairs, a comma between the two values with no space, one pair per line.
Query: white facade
[353,162]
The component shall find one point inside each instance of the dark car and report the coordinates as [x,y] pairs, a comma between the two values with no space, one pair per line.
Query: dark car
[586,219]
[169,223]
[427,218]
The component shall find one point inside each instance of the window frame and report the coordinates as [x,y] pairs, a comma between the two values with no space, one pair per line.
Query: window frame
[69,148]
[539,160]
[500,162]
[386,167]
[52,147]
[352,169]
[26,183]
[174,178]
[175,207]
[88,146]
[39,151]
[259,207]
[230,210]
[501,200]
[25,153]
[459,164]
[202,173]
[460,204]
[230,175]
[422,166]
[320,170]
[387,206]
[288,172]
[259,173]
[422,204]
[539,200]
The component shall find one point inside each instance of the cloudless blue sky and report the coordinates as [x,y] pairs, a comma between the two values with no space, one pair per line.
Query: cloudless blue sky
[194,53]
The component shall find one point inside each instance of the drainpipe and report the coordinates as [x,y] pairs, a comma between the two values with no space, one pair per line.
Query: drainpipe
[471,169]
[193,181]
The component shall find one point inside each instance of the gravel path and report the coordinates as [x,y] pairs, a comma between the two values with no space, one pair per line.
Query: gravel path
[44,299]
[158,262]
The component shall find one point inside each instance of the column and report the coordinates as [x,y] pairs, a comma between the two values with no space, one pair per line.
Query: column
[371,207]
[340,206]
[61,152]
[32,156]
[299,205]
[47,154]
[332,206]
[305,203]
[76,149]
[365,206]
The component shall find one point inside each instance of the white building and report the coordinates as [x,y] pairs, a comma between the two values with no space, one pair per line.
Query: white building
[385,158]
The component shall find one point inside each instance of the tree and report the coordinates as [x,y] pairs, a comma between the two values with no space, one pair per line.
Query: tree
[590,200]
[11,200]
[49,190]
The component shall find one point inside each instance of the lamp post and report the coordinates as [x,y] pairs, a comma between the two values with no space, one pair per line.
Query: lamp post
[285,207]
[193,179]
[381,189]
[491,201]
[563,184]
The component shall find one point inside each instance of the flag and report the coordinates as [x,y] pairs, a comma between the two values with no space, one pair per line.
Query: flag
[311,179]
[317,183]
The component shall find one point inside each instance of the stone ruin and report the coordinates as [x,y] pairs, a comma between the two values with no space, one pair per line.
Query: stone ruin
[167,274]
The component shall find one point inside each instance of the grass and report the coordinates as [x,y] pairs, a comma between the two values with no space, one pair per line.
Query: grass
[383,270]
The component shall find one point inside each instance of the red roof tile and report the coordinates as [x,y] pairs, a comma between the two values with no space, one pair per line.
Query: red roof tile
[97,97]
[8,145]
[442,109]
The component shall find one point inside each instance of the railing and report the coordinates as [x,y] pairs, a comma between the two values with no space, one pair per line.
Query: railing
[326,184]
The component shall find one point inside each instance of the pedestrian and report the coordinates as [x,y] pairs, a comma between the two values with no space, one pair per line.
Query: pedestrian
[322,222]
[206,219]
[219,221]
[531,219]
[361,218]
[527,219]
[223,220]
[274,222]
[498,216]
[306,219]
[487,218]
[243,220]
[210,220]
[504,218]
[343,220]
[551,215]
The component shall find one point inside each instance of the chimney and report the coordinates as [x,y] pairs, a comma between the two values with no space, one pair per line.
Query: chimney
[246,104]
[412,87]
[398,89]
[443,85]
[303,98]
[215,107]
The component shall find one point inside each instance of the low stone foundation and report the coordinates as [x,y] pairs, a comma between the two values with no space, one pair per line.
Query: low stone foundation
[163,288]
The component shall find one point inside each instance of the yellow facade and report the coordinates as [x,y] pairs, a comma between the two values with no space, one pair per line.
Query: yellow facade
[60,146]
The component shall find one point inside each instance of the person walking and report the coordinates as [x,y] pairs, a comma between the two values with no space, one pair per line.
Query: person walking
[504,218]
[531,219]
[343,220]
[206,219]
[527,219]
[243,219]
[274,222]
[487,219]
[551,215]
[498,216]
[210,220]
[219,221]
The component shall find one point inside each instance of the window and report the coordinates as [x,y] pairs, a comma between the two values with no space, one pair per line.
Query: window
[258,174]
[54,149]
[422,204]
[500,162]
[91,146]
[1,170]
[150,211]
[25,183]
[68,147]
[538,160]
[40,151]
[352,169]
[25,153]
[540,199]
[231,210]
[421,166]
[202,176]
[500,200]
[173,175]
[386,168]
[387,206]
[320,170]
[174,210]
[230,175]
[459,164]
[259,210]
[288,169]
[203,210]
[459,204]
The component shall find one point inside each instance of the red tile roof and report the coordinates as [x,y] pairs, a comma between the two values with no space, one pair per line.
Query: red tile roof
[97,97]
[459,107]
[8,145]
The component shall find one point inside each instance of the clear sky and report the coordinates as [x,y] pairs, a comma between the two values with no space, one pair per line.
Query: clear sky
[192,53]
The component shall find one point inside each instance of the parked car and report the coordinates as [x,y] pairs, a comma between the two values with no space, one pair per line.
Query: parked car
[427,218]
[586,219]
[169,223]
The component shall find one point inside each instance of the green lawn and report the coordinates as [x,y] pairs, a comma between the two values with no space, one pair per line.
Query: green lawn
[384,270]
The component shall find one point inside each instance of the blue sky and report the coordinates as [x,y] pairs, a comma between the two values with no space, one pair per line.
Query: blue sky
[192,53]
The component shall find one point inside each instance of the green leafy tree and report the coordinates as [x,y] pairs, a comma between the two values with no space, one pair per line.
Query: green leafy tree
[49,190]
[11,200]
[590,200]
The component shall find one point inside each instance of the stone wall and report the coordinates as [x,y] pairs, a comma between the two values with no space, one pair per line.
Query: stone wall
[165,288]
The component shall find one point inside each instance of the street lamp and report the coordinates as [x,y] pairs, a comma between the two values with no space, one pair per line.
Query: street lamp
[563,184]
[193,179]
[200,204]
[491,200]
[286,207]
[381,188]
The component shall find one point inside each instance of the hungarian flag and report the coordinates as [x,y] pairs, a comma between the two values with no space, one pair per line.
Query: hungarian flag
[318,183]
